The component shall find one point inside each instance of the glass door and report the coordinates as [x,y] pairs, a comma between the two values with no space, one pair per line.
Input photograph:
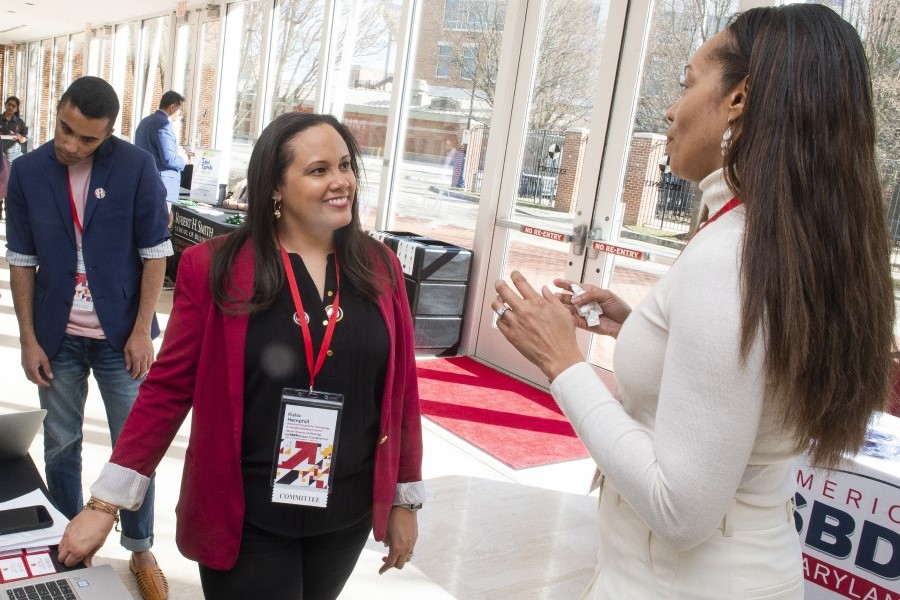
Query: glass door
[630,216]
[565,75]
[653,212]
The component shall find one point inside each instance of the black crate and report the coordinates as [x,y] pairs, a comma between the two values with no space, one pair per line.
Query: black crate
[425,259]
[391,238]
[437,333]
[436,276]
[436,298]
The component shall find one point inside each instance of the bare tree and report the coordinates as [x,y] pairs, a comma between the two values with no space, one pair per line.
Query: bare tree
[297,45]
[882,41]
[566,69]
[678,29]
[296,33]
[248,71]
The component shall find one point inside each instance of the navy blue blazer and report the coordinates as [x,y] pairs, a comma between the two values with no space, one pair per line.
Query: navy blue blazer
[156,135]
[125,210]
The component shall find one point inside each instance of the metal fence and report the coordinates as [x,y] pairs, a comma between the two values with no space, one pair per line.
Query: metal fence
[671,203]
[541,160]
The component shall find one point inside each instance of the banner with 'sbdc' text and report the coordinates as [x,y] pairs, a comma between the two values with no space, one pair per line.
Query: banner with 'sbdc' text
[849,525]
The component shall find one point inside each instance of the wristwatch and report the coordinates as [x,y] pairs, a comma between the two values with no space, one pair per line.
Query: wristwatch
[412,507]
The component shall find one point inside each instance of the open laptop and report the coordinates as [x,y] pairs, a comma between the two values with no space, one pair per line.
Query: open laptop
[94,583]
[17,431]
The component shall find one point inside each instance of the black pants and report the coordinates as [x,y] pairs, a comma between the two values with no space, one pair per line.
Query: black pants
[289,568]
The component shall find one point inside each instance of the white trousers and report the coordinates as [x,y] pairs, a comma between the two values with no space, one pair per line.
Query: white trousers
[755,553]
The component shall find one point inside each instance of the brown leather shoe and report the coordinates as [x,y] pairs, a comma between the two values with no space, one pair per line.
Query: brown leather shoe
[151,581]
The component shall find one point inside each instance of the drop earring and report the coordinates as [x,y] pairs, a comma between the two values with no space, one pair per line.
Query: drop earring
[726,140]
[277,206]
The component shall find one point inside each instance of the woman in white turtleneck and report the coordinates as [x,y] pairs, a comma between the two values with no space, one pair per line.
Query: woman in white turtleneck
[725,371]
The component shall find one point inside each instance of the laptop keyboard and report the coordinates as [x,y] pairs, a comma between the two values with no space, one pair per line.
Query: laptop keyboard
[52,590]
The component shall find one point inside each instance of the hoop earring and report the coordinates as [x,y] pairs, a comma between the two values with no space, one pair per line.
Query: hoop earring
[276,205]
[726,140]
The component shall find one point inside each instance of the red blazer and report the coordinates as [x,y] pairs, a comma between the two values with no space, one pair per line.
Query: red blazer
[201,367]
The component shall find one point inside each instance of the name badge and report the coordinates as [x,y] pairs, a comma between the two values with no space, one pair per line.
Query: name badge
[308,427]
[83,300]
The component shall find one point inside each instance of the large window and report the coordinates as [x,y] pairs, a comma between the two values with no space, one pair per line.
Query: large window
[438,179]
[100,55]
[60,75]
[294,66]
[473,15]
[77,57]
[154,57]
[124,75]
[469,62]
[21,74]
[32,99]
[445,55]
[183,76]
[241,86]
[208,61]
[360,85]
[45,125]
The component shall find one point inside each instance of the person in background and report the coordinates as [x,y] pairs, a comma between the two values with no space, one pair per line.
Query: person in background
[12,142]
[156,135]
[455,161]
[13,130]
[86,246]
[297,306]
[770,335]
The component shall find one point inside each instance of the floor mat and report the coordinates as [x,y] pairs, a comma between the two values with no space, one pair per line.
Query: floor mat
[512,421]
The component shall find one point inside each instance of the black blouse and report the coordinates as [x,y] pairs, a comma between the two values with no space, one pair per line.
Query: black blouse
[15,125]
[355,367]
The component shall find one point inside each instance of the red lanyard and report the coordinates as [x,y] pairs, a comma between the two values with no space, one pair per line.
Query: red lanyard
[72,205]
[304,326]
[728,206]
[731,204]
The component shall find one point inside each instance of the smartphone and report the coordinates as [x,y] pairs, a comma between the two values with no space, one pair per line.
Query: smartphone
[26,518]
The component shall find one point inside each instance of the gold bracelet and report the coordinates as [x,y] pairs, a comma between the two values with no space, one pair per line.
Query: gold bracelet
[104,507]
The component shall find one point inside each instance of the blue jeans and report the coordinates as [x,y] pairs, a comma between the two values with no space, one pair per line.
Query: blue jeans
[64,401]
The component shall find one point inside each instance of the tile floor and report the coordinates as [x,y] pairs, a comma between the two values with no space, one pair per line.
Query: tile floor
[487,531]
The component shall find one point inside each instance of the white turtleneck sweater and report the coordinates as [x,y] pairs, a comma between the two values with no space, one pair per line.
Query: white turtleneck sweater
[695,428]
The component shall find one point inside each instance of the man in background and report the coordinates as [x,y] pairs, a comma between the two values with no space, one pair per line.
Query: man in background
[156,135]
[86,245]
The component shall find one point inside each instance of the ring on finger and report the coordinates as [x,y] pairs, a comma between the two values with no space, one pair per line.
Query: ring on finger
[409,556]
[501,311]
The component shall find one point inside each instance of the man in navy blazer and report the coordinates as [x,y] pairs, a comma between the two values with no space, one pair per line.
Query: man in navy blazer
[86,244]
[156,135]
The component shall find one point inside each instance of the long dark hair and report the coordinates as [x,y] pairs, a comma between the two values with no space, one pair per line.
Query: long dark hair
[816,258]
[268,162]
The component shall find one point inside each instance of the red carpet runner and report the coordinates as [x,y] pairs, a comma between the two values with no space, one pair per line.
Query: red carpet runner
[510,420]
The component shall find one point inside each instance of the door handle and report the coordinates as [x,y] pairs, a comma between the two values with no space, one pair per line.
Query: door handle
[595,235]
[579,239]
[579,236]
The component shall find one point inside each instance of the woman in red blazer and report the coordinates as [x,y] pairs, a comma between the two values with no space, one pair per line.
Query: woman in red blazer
[258,510]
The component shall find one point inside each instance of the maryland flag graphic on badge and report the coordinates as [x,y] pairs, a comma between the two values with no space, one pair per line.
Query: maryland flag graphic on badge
[303,464]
